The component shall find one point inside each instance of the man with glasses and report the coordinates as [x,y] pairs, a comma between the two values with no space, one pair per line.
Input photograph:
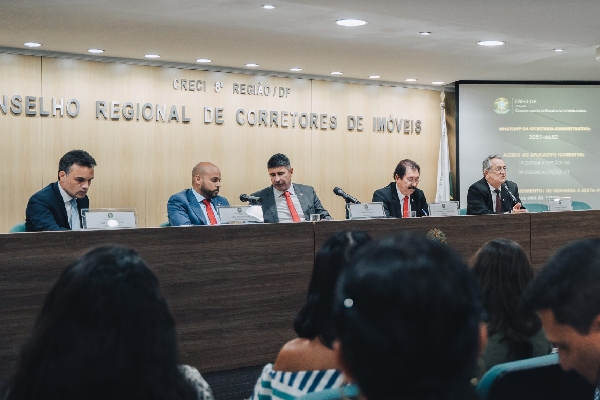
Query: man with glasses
[493,194]
[402,198]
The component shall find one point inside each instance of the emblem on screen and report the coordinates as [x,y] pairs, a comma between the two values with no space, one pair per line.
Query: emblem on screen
[501,106]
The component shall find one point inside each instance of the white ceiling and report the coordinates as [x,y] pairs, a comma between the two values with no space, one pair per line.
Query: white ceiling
[302,33]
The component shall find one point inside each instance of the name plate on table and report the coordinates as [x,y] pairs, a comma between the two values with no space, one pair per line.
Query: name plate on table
[240,214]
[560,204]
[108,218]
[444,209]
[365,210]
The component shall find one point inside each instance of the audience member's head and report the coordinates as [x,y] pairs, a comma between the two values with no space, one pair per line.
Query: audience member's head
[408,314]
[104,332]
[315,318]
[566,294]
[504,272]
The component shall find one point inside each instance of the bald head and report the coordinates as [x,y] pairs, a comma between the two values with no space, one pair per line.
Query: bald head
[206,179]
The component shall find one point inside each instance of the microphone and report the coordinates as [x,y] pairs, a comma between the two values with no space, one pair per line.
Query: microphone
[247,197]
[345,196]
[512,196]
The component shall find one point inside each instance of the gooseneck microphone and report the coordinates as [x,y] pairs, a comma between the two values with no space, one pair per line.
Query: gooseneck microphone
[512,196]
[253,199]
[345,196]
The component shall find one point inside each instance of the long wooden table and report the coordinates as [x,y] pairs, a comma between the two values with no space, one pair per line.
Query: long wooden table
[234,290]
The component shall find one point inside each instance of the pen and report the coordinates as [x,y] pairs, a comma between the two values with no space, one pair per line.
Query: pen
[424,212]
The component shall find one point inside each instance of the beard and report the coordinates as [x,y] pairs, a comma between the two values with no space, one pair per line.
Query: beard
[209,194]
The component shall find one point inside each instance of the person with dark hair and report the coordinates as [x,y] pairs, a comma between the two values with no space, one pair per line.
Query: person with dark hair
[284,201]
[57,207]
[566,295]
[493,194]
[104,332]
[409,324]
[198,205]
[308,363]
[503,272]
[402,196]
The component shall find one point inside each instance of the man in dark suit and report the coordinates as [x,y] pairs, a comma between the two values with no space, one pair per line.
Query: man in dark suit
[57,207]
[489,195]
[198,205]
[402,196]
[284,201]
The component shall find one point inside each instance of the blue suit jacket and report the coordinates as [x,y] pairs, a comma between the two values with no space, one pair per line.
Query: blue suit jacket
[46,210]
[183,208]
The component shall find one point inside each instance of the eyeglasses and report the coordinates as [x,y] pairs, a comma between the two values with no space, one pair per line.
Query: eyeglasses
[413,180]
[499,169]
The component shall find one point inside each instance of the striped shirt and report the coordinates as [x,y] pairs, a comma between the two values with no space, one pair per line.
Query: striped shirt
[283,385]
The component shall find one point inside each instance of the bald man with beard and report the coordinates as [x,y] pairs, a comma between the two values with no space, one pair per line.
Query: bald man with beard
[198,205]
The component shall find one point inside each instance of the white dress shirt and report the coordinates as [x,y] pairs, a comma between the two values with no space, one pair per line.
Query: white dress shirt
[401,197]
[67,199]
[283,211]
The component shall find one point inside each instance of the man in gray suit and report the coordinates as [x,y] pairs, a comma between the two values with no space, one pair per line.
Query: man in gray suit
[284,201]
[198,205]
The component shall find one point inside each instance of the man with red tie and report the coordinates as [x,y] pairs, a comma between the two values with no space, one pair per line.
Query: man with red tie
[198,205]
[402,196]
[284,201]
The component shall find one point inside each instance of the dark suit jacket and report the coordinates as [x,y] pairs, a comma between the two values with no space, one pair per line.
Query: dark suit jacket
[479,198]
[183,208]
[46,210]
[391,202]
[308,200]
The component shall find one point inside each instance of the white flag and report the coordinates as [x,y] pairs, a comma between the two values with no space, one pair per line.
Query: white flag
[443,175]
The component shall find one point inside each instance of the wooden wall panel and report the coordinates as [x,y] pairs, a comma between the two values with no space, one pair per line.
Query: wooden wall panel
[117,146]
[20,161]
[141,163]
[362,162]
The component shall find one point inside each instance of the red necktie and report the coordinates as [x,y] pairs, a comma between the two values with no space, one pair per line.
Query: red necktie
[209,212]
[498,202]
[290,204]
[405,208]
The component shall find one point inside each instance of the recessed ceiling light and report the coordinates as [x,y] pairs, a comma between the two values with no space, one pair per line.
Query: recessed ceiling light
[559,50]
[374,76]
[351,22]
[425,33]
[410,80]
[96,51]
[295,69]
[203,60]
[437,83]
[252,65]
[152,56]
[490,43]
[337,73]
[268,6]
[32,44]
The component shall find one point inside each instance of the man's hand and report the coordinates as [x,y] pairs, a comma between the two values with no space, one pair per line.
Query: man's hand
[518,210]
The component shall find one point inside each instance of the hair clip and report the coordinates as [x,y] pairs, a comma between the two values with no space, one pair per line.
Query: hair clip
[348,303]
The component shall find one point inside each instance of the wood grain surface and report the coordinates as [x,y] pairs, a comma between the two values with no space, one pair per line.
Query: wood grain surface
[551,230]
[233,290]
[464,233]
